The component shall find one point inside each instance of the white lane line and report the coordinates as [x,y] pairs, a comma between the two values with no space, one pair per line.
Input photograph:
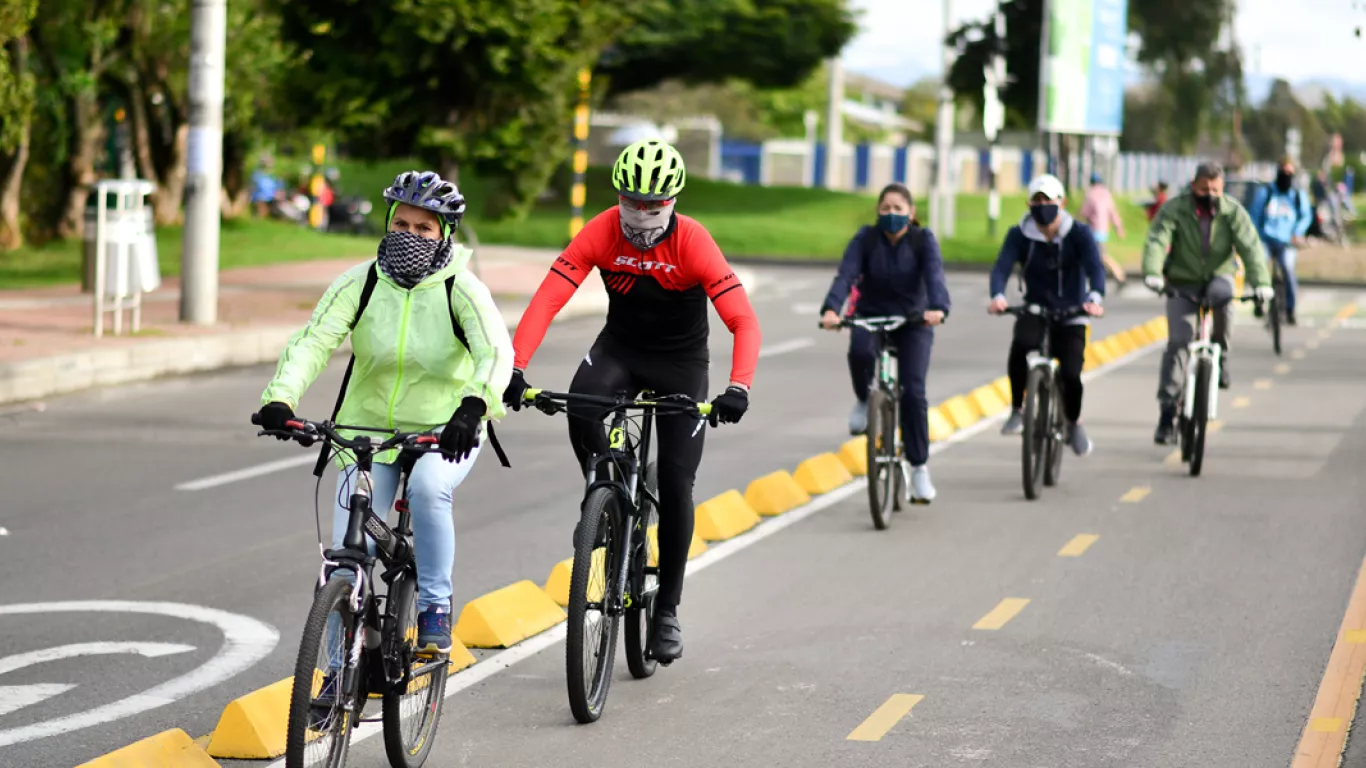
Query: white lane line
[715,553]
[244,474]
[783,347]
[16,697]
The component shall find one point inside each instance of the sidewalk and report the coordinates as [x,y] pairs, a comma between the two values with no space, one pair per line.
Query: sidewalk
[47,346]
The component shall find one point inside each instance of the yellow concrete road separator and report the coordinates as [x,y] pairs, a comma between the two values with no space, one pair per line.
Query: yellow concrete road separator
[988,401]
[1004,611]
[775,493]
[940,428]
[885,717]
[507,616]
[960,412]
[725,516]
[822,474]
[1325,735]
[854,455]
[1002,387]
[168,749]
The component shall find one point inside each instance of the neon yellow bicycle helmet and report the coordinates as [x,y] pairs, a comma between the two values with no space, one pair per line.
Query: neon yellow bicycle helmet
[649,170]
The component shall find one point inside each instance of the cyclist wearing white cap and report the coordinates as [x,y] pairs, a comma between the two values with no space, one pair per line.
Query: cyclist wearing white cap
[1060,268]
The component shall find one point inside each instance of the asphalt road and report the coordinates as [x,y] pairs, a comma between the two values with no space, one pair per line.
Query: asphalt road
[1193,631]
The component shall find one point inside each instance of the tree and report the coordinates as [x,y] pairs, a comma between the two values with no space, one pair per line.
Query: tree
[774,44]
[16,109]
[1266,126]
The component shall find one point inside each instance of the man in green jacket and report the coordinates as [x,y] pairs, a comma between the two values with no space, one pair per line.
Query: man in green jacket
[1191,245]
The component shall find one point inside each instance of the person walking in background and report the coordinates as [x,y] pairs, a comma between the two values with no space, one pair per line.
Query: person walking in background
[1159,199]
[1098,212]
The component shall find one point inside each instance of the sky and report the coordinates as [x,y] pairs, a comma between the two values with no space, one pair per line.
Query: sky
[1301,41]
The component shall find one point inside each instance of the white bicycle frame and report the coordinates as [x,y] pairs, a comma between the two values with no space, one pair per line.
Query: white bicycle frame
[1202,346]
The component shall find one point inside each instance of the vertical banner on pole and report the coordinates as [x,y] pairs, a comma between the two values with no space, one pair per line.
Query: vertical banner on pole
[315,187]
[579,192]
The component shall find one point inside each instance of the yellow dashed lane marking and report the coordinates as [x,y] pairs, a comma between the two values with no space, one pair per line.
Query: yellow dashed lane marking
[1297,354]
[1139,492]
[1242,401]
[884,717]
[1325,724]
[1262,384]
[1078,545]
[1006,610]
[1214,426]
[1282,369]
[1311,344]
[1346,312]
[1325,333]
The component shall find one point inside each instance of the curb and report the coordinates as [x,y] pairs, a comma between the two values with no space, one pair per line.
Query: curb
[508,616]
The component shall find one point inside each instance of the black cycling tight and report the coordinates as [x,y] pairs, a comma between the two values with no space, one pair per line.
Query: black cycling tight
[609,369]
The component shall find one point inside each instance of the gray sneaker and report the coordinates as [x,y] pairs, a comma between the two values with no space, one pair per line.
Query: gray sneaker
[1014,424]
[922,490]
[858,419]
[1077,438]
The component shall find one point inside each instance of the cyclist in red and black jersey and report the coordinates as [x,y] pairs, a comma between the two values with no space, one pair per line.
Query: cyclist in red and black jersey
[660,269]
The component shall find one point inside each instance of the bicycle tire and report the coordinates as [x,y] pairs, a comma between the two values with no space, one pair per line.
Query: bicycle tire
[588,692]
[642,613]
[1275,312]
[431,687]
[332,597]
[1035,431]
[881,473]
[1053,459]
[1204,372]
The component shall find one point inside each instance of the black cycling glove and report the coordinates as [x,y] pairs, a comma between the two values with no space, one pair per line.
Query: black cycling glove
[729,406]
[462,431]
[516,390]
[274,416]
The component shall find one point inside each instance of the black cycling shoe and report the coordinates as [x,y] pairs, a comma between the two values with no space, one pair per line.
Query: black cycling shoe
[1290,318]
[1224,378]
[1165,429]
[666,642]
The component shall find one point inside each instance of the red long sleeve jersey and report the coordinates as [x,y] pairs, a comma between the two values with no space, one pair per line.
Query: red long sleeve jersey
[657,299]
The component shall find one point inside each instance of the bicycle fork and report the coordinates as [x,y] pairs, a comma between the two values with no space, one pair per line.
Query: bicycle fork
[1202,348]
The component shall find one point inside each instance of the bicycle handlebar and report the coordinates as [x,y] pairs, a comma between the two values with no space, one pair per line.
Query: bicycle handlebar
[886,323]
[557,400]
[307,432]
[1038,310]
[1200,301]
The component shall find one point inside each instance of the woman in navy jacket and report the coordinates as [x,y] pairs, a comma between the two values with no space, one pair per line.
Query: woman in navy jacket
[1061,269]
[899,271]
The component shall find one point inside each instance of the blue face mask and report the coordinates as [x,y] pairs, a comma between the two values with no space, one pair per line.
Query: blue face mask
[1044,214]
[893,222]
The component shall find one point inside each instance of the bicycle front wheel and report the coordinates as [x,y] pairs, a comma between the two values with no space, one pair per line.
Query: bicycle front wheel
[413,709]
[324,707]
[1204,372]
[645,585]
[1276,311]
[590,648]
[1033,447]
[882,469]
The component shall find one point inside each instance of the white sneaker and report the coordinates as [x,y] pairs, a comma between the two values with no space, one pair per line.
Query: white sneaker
[922,489]
[858,419]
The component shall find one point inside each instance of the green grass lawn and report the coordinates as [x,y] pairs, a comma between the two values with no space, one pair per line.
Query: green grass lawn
[783,222]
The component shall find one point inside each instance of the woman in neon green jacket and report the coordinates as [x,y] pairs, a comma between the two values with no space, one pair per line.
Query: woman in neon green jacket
[431,349]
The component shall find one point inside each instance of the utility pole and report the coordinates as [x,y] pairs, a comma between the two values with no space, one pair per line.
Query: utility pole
[993,116]
[942,200]
[834,123]
[203,163]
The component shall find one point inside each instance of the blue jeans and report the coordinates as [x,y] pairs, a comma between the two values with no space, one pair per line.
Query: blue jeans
[913,345]
[1284,255]
[430,489]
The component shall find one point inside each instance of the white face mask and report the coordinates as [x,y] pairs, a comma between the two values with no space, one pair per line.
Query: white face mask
[644,229]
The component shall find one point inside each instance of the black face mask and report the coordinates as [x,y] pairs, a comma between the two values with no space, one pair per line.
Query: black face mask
[1205,202]
[1283,181]
[1044,214]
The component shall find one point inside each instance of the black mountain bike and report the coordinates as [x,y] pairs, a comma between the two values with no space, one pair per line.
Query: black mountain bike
[1044,426]
[616,570]
[888,478]
[356,643]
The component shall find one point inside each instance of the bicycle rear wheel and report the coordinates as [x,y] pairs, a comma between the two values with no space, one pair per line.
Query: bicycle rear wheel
[411,713]
[1036,426]
[318,732]
[882,469]
[644,584]
[590,649]
[1276,311]
[1053,466]
[1204,371]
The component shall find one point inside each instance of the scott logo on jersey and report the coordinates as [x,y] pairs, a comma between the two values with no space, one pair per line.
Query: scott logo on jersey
[645,266]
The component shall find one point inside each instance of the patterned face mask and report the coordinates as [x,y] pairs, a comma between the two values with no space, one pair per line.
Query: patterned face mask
[644,229]
[409,259]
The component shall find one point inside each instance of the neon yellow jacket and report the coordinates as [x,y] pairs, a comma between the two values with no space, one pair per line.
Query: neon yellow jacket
[410,373]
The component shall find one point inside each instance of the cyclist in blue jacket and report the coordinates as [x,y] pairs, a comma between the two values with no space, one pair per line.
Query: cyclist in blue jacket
[1282,216]
[899,271]
[1061,268]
